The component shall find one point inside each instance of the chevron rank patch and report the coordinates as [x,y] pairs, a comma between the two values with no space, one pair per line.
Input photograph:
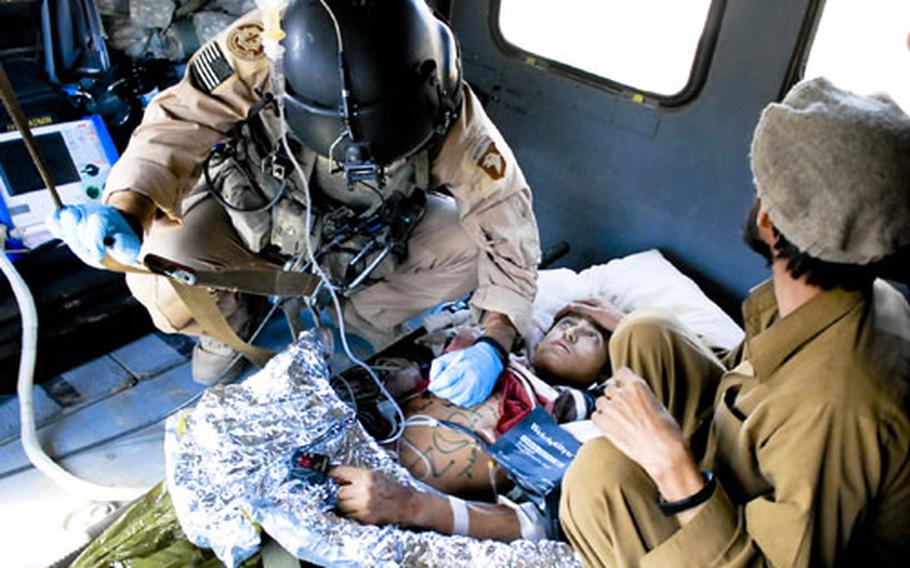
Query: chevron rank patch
[209,68]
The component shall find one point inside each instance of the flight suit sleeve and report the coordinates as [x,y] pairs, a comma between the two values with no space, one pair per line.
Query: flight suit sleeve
[824,466]
[494,205]
[181,124]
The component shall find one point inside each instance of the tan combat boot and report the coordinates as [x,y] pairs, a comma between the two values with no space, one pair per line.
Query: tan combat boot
[213,362]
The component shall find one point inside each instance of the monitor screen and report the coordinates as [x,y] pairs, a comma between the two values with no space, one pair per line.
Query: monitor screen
[20,174]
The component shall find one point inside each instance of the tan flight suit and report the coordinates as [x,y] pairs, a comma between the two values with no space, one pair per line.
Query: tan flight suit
[486,238]
[809,440]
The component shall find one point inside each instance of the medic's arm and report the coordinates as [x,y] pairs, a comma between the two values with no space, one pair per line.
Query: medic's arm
[494,204]
[163,159]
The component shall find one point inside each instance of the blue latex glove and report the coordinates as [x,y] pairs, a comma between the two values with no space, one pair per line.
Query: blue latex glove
[466,377]
[91,229]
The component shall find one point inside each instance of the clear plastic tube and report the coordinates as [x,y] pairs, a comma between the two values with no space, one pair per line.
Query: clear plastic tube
[273,34]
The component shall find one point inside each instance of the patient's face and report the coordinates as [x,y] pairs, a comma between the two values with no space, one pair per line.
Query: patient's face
[574,352]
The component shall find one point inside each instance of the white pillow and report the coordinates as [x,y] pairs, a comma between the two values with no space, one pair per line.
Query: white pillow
[641,280]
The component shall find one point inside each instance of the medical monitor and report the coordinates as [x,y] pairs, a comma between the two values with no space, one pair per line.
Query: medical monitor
[79,156]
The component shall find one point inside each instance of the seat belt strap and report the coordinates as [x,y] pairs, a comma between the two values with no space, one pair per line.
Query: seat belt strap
[201,303]
[262,282]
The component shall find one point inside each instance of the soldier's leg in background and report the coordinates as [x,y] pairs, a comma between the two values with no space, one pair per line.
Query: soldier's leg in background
[205,240]
[608,508]
[441,265]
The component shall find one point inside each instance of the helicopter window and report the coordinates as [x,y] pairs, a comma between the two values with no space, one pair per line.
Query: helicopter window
[649,46]
[864,47]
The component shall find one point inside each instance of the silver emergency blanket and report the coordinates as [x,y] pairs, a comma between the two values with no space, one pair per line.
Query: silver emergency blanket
[227,464]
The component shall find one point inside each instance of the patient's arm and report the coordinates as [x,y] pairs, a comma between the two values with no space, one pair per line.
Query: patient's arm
[448,460]
[371,498]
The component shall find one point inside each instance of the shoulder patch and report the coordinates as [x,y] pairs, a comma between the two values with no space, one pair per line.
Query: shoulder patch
[488,157]
[210,68]
[245,41]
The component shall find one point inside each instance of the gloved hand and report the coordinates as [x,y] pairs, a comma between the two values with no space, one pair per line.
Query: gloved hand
[466,377]
[91,229]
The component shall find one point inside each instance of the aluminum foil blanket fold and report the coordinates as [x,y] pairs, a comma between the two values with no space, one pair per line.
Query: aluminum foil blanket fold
[227,470]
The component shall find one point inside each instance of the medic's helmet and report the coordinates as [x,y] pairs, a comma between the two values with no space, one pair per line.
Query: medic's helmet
[401,67]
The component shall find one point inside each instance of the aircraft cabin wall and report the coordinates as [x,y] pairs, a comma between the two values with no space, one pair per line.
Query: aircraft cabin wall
[612,176]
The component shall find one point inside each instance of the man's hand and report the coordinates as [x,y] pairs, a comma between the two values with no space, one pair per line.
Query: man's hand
[466,377]
[605,314]
[91,230]
[630,416]
[499,327]
[371,498]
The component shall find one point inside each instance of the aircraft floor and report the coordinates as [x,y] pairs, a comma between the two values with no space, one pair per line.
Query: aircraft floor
[130,390]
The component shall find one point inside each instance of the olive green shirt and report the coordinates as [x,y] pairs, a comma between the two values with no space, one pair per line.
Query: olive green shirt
[810,439]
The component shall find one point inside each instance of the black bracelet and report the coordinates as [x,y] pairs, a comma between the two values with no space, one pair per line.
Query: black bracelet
[670,508]
[500,350]
[134,224]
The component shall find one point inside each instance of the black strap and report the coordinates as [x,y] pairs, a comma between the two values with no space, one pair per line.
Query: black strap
[670,508]
[500,350]
[134,224]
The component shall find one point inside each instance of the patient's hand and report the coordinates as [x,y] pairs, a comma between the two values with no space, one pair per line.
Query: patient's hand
[371,498]
[605,314]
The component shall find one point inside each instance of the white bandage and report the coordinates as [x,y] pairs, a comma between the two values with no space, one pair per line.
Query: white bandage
[461,518]
[530,520]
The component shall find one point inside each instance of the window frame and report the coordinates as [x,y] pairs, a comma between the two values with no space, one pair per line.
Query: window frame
[796,71]
[698,75]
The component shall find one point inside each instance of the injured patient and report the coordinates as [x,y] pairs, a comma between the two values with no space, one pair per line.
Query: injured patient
[229,483]
[445,445]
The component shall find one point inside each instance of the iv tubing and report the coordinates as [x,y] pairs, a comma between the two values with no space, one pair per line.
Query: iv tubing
[273,33]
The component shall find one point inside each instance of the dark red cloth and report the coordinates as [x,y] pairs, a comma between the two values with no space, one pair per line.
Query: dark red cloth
[515,403]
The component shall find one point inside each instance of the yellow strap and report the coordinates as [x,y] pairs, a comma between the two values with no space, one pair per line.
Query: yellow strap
[201,304]
[111,264]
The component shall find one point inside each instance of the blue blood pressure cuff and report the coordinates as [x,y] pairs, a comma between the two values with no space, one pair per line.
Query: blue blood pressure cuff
[536,452]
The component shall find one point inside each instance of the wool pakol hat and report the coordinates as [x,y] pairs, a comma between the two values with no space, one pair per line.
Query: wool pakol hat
[832,169]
